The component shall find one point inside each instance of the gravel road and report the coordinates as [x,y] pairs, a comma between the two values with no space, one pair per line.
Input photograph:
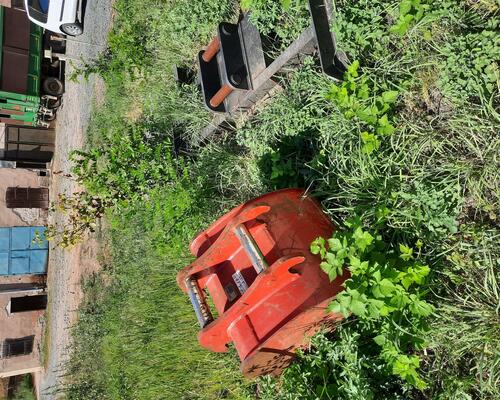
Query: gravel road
[67,267]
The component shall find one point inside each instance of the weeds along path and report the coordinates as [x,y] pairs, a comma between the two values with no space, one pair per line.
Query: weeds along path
[66,267]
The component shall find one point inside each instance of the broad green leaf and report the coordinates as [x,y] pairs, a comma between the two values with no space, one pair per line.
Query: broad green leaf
[408,19]
[325,266]
[366,115]
[335,307]
[399,300]
[371,143]
[354,262]
[406,252]
[390,96]
[332,258]
[352,70]
[358,308]
[385,311]
[286,3]
[402,26]
[342,254]
[374,307]
[380,339]
[315,248]
[386,130]
[317,245]
[422,271]
[421,308]
[383,120]
[344,299]
[363,92]
[405,7]
[362,239]
[329,269]
[332,275]
[377,293]
[335,244]
[386,287]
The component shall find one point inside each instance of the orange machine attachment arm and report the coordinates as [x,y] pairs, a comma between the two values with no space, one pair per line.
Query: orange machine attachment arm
[215,336]
[225,244]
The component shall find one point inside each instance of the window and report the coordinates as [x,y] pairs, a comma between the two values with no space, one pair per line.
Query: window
[30,145]
[38,9]
[28,303]
[17,347]
[22,197]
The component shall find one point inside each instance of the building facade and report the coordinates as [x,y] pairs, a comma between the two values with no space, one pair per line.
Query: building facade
[23,264]
[22,304]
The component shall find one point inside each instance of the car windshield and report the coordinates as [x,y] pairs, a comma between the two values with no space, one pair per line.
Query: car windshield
[38,9]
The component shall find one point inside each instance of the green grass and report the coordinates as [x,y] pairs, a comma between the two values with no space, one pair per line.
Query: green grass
[24,391]
[433,180]
[136,336]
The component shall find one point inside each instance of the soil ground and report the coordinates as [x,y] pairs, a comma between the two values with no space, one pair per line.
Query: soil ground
[67,267]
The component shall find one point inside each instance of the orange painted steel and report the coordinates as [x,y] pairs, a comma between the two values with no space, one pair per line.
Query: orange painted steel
[211,50]
[267,288]
[220,96]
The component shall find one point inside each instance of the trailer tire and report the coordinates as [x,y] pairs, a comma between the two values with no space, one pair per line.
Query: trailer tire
[53,86]
[49,119]
[54,104]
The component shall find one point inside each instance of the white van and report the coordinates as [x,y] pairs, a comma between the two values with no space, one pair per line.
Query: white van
[59,16]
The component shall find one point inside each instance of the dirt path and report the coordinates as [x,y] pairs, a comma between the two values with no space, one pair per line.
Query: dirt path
[67,267]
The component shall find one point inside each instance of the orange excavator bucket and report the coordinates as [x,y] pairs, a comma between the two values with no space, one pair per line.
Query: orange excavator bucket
[268,290]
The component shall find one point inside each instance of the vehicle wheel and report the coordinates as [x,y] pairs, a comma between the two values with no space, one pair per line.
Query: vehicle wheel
[54,104]
[73,29]
[49,119]
[53,87]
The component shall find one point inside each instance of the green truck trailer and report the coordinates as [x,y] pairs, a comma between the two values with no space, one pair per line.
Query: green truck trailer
[30,85]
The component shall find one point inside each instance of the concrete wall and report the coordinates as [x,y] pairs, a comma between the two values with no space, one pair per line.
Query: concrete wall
[20,216]
[20,325]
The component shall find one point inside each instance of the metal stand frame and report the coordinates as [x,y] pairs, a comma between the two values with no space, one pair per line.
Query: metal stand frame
[235,75]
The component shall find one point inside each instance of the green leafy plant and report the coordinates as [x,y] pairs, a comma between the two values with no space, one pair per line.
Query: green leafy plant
[383,292]
[469,69]
[283,20]
[361,28]
[337,366]
[283,165]
[430,210]
[250,4]
[357,99]
[82,211]
[410,12]
[25,390]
